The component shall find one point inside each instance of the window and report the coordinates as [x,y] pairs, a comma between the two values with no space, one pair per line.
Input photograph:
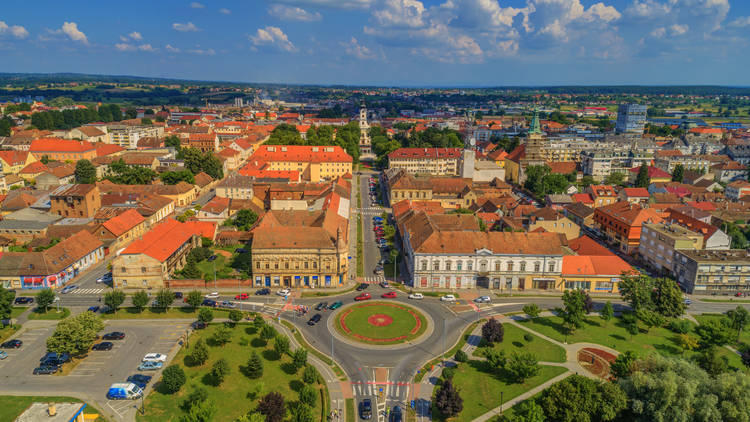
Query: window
[143,269]
[537,266]
[276,266]
[123,270]
[510,265]
[307,264]
[315,265]
[469,266]
[436,265]
[483,266]
[551,267]
[257,265]
[268,265]
[523,266]
[459,265]
[497,265]
[424,265]
[447,265]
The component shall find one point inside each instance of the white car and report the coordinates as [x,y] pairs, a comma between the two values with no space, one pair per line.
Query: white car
[212,295]
[482,299]
[416,296]
[448,298]
[284,292]
[68,289]
[155,357]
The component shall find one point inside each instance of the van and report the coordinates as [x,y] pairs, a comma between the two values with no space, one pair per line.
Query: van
[124,391]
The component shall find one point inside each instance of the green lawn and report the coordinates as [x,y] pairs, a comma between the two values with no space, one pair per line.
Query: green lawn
[158,313]
[17,310]
[513,341]
[238,394]
[51,314]
[357,320]
[8,331]
[221,263]
[480,389]
[12,406]
[612,334]
[318,293]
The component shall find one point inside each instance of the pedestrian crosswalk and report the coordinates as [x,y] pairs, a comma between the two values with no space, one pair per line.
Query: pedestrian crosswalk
[87,291]
[390,391]
[373,280]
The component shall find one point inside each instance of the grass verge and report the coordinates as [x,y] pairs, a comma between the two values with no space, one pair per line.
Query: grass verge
[51,314]
[17,310]
[515,340]
[8,331]
[12,406]
[351,415]
[404,319]
[326,294]
[182,312]
[464,338]
[301,340]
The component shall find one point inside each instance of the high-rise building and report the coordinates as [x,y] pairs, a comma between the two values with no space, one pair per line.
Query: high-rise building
[631,118]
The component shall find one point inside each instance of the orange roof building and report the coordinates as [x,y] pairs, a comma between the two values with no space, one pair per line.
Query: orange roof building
[62,149]
[593,273]
[622,222]
[311,163]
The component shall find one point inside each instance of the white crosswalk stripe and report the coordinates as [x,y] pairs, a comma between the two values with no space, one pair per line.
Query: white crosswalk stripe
[374,280]
[87,291]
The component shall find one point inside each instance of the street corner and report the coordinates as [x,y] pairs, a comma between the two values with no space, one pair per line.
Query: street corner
[346,389]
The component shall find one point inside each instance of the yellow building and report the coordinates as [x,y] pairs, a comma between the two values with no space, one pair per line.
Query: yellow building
[451,192]
[14,161]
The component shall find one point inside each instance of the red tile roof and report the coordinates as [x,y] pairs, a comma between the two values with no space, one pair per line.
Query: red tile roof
[14,158]
[107,149]
[300,153]
[583,198]
[637,192]
[594,265]
[34,168]
[60,145]
[162,240]
[123,222]
[653,172]
[562,167]
[585,245]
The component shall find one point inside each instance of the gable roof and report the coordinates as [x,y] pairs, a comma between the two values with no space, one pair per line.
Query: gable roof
[162,240]
[123,222]
[596,265]
[60,145]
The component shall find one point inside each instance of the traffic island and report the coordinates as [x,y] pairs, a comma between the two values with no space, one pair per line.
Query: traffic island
[380,323]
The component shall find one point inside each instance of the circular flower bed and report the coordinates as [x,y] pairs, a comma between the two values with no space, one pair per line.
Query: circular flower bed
[380,323]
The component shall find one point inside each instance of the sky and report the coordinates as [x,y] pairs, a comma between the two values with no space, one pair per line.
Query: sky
[385,42]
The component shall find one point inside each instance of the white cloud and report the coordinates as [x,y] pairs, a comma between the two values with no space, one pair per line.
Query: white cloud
[202,52]
[225,11]
[135,35]
[272,36]
[293,13]
[559,21]
[196,5]
[185,27]
[401,13]
[124,47]
[124,38]
[740,22]
[16,31]
[146,47]
[131,47]
[171,49]
[355,49]
[71,30]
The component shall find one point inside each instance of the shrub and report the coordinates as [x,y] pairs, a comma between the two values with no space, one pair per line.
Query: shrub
[254,366]
[528,337]
[461,356]
[680,326]
[205,315]
[492,331]
[199,354]
[173,378]
[299,358]
[307,395]
[310,375]
[281,345]
[448,373]
[219,371]
[448,401]
[195,397]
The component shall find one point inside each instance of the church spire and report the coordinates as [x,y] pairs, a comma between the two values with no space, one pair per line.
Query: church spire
[535,127]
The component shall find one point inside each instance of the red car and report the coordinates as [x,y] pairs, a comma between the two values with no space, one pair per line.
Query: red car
[363,296]
[241,296]
[389,295]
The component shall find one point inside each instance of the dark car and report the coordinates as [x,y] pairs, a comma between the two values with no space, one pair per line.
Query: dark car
[140,380]
[114,335]
[178,295]
[12,344]
[199,325]
[46,369]
[335,305]
[314,320]
[321,306]
[93,309]
[54,359]
[362,286]
[241,250]
[263,292]
[23,300]
[212,258]
[396,415]
[103,346]
[208,302]
[365,409]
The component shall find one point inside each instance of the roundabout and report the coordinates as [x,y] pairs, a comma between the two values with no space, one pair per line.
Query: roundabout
[380,323]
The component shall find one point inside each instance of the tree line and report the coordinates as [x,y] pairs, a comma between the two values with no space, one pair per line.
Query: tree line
[68,119]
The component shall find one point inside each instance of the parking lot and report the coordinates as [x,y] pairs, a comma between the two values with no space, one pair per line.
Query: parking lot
[98,370]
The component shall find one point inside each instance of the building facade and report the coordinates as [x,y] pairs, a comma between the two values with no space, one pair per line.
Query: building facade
[434,161]
[631,118]
[721,272]
[660,243]
[82,201]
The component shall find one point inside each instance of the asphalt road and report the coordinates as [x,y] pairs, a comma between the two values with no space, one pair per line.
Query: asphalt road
[371,250]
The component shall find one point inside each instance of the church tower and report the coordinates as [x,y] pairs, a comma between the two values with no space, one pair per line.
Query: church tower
[365,146]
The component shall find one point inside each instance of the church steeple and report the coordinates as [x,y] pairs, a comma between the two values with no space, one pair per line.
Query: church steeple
[535,127]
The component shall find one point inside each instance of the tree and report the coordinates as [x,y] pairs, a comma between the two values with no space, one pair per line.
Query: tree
[5,126]
[219,371]
[6,304]
[643,179]
[190,270]
[194,299]
[44,299]
[267,332]
[300,412]
[299,357]
[75,335]
[164,298]
[114,299]
[577,398]
[532,310]
[281,345]
[172,141]
[140,300]
[197,396]
[712,363]
[588,304]
[146,121]
[272,406]
[526,411]
[85,172]
[687,342]
[205,315]
[307,395]
[310,375]
[739,317]
[521,366]
[492,331]
[222,335]
[607,312]
[573,309]
[623,365]
[678,173]
[251,417]
[254,367]
[199,354]
[667,298]
[245,219]
[131,113]
[460,356]
[650,318]
[636,290]
[614,179]
[202,412]
[714,333]
[235,316]
[746,357]
[175,177]
[173,378]
[448,401]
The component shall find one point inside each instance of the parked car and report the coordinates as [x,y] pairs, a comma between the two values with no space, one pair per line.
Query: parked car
[687,301]
[150,366]
[209,302]
[3,355]
[241,296]
[23,300]
[114,335]
[140,380]
[448,298]
[199,325]
[227,304]
[178,295]
[321,306]
[335,305]
[155,357]
[241,250]
[211,258]
[104,279]
[212,295]
[416,296]
[739,294]
[124,391]
[482,299]
[314,320]
[389,295]
[52,358]
[363,296]
[365,409]
[362,286]
[68,289]
[284,292]
[12,344]
[263,292]
[396,415]
[93,309]
[378,270]
[103,346]
[46,369]
[384,284]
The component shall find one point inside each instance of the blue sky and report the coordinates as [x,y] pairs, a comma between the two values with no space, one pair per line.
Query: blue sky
[385,42]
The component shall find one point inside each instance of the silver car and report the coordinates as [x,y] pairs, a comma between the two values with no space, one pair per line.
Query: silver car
[482,299]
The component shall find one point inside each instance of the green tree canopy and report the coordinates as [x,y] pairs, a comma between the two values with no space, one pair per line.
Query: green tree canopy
[85,172]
